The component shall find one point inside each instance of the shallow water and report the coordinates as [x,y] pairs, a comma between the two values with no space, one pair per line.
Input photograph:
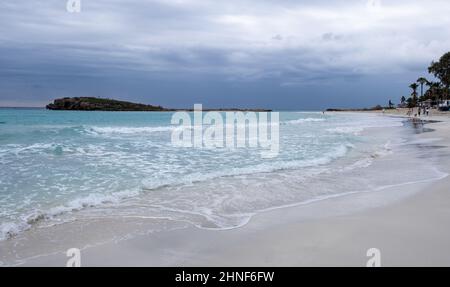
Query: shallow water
[62,167]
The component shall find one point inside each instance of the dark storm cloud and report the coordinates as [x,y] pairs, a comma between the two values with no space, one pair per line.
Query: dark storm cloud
[206,45]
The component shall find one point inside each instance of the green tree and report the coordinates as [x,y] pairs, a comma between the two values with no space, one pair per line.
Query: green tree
[438,91]
[441,70]
[391,104]
[422,81]
[414,87]
[434,91]
[410,103]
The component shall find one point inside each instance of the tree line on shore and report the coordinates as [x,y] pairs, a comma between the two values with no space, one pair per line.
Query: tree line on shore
[437,90]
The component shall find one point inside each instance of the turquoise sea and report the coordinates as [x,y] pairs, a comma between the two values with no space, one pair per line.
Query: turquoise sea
[57,166]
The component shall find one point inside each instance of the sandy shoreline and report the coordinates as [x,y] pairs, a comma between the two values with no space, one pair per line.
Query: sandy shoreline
[411,230]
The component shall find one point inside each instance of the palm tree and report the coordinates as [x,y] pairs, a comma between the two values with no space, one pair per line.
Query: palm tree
[391,104]
[414,87]
[422,81]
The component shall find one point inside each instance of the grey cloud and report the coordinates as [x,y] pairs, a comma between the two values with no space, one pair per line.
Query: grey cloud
[331,37]
[277,37]
[288,42]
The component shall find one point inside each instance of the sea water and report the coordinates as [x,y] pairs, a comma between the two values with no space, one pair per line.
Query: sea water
[62,166]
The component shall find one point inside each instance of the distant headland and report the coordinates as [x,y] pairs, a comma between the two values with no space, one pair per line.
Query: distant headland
[376,108]
[101,104]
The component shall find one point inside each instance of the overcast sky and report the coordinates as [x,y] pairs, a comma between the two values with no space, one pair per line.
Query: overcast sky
[280,54]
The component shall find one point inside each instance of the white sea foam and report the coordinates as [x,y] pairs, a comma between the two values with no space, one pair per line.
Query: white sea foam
[346,130]
[10,229]
[306,120]
[92,200]
[356,128]
[75,169]
[129,130]
[338,152]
